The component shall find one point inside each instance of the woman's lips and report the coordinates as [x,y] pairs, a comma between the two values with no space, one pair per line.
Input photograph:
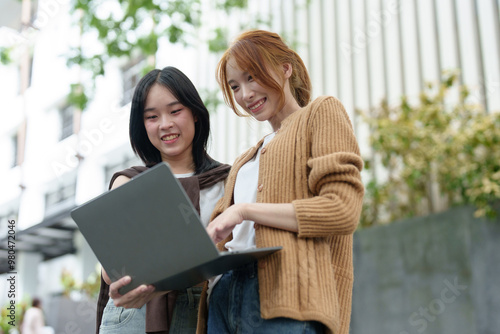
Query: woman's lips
[168,139]
[257,106]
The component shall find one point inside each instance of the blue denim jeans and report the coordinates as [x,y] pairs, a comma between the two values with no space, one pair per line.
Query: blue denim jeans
[116,320]
[119,320]
[185,317]
[234,307]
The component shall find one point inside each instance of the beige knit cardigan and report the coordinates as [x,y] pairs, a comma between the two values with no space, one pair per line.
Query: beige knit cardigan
[314,163]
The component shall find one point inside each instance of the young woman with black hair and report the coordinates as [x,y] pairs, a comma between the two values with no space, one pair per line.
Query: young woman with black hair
[169,123]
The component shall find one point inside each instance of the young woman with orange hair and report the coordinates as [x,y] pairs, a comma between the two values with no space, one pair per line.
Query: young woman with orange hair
[299,187]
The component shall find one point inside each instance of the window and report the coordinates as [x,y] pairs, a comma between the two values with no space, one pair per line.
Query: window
[60,199]
[63,193]
[66,122]
[15,149]
[30,73]
[34,11]
[125,163]
[131,74]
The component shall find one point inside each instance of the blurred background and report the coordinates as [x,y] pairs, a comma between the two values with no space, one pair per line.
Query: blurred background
[420,80]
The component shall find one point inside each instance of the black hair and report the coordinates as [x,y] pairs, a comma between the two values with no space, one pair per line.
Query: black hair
[36,302]
[183,89]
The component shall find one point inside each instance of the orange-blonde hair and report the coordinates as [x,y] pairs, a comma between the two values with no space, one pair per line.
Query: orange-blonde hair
[257,52]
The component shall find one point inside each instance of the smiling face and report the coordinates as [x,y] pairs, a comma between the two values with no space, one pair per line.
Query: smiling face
[256,100]
[261,102]
[170,128]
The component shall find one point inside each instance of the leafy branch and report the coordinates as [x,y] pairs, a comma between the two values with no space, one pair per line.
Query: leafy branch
[436,154]
[127,29]
[5,57]
[89,287]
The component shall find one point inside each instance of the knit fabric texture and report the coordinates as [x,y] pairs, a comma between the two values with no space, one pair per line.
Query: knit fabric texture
[314,163]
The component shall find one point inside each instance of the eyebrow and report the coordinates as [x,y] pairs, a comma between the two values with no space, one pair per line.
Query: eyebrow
[232,81]
[168,105]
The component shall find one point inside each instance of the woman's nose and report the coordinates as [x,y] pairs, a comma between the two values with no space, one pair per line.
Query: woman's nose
[166,123]
[248,93]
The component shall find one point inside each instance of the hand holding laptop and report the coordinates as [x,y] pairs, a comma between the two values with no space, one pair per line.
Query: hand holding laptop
[146,229]
[135,298]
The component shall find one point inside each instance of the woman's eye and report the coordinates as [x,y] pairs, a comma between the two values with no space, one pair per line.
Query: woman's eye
[250,78]
[151,117]
[234,87]
[176,111]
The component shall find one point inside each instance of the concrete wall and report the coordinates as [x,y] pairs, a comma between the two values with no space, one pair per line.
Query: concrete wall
[437,274]
[67,316]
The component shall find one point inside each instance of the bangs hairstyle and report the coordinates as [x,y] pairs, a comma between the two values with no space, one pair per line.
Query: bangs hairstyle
[184,91]
[257,52]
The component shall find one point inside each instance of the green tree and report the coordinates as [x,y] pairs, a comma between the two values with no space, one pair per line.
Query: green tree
[5,57]
[90,287]
[6,315]
[132,28]
[436,154]
[127,27]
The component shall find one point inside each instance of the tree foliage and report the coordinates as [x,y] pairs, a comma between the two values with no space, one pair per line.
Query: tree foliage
[5,313]
[90,287]
[5,57]
[128,27]
[435,154]
[132,28]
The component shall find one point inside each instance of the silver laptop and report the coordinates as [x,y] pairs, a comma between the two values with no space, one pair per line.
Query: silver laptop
[149,229]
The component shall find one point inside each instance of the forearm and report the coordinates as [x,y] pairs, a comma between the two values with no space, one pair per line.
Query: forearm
[281,216]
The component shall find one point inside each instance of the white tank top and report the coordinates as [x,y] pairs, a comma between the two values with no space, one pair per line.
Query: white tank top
[245,191]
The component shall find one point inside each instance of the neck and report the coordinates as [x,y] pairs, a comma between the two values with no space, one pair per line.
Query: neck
[289,108]
[181,166]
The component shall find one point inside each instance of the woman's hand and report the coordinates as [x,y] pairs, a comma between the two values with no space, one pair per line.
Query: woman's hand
[223,224]
[135,298]
[277,215]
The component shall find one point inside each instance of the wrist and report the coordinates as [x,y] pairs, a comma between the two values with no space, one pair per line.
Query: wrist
[244,211]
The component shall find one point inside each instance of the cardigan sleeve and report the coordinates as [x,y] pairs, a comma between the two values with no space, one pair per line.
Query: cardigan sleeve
[334,178]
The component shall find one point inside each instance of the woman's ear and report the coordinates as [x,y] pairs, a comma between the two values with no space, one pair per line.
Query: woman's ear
[287,70]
